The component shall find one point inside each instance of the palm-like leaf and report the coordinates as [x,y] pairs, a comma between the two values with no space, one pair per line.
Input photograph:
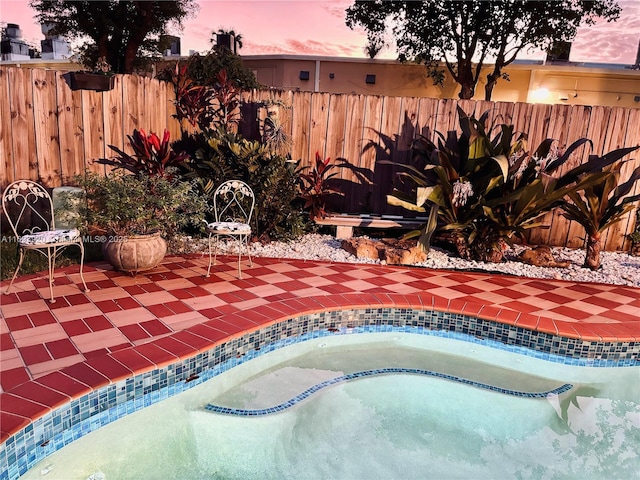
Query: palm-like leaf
[601,204]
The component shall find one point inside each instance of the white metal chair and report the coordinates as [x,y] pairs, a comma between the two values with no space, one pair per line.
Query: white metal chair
[29,208]
[233,203]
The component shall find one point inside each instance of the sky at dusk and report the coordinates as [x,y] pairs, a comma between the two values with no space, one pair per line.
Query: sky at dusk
[307,27]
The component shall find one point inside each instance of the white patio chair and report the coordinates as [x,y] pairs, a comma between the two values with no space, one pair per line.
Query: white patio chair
[29,208]
[233,203]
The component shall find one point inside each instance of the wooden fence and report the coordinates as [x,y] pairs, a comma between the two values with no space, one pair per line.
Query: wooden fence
[49,133]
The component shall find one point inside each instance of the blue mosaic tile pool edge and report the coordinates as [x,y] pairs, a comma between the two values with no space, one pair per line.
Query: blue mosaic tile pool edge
[372,373]
[100,407]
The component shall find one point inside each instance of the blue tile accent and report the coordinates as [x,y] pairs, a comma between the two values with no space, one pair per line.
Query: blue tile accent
[371,373]
[98,408]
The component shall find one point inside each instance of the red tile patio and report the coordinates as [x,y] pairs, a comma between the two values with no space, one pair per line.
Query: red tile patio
[50,353]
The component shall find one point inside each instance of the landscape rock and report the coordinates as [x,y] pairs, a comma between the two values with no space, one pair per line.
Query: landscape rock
[362,248]
[541,256]
[388,250]
[617,268]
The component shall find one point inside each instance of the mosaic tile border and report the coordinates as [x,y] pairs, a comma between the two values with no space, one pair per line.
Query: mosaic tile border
[105,405]
[374,373]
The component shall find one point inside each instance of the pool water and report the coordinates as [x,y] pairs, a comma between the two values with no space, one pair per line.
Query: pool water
[388,426]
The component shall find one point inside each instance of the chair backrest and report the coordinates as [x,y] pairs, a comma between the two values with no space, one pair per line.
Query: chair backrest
[233,201]
[28,207]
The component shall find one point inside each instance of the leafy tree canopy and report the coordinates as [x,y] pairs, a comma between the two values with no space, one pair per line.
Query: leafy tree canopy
[204,69]
[124,32]
[464,34]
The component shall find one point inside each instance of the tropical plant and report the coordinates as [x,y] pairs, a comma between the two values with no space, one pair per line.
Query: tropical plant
[315,186]
[456,175]
[278,206]
[193,102]
[219,153]
[273,178]
[226,111]
[463,34]
[601,205]
[152,156]
[489,190]
[271,129]
[205,106]
[225,155]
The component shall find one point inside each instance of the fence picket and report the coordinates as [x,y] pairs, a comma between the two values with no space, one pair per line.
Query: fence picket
[7,162]
[46,126]
[70,131]
[23,133]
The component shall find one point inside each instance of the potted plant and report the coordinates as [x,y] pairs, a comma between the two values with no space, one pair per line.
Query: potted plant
[99,78]
[139,203]
[133,215]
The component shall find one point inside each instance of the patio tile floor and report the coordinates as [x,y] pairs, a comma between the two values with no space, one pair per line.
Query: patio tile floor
[126,324]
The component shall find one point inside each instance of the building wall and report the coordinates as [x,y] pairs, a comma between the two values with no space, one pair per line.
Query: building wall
[570,84]
[534,82]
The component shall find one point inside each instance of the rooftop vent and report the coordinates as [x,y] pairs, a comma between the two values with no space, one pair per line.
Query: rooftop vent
[225,40]
[559,52]
[13,31]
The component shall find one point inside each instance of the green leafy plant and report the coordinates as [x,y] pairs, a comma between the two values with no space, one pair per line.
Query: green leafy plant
[601,205]
[273,179]
[489,189]
[123,204]
[315,186]
[204,69]
[219,153]
[152,156]
[456,174]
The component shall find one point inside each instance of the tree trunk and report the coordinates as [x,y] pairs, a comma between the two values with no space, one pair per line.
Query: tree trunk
[492,79]
[461,246]
[467,91]
[465,77]
[592,257]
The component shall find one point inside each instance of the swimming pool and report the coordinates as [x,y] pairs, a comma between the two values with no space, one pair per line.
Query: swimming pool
[476,414]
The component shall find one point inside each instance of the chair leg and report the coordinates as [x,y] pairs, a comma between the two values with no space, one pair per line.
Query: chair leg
[243,243]
[239,256]
[246,244]
[215,250]
[215,255]
[51,260]
[15,274]
[81,265]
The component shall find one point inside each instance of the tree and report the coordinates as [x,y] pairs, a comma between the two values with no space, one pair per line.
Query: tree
[465,34]
[124,32]
[204,69]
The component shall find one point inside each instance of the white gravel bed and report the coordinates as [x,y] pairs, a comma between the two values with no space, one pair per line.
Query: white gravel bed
[617,268]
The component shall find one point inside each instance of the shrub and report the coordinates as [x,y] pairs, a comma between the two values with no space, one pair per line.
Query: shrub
[219,153]
[488,190]
[123,204]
